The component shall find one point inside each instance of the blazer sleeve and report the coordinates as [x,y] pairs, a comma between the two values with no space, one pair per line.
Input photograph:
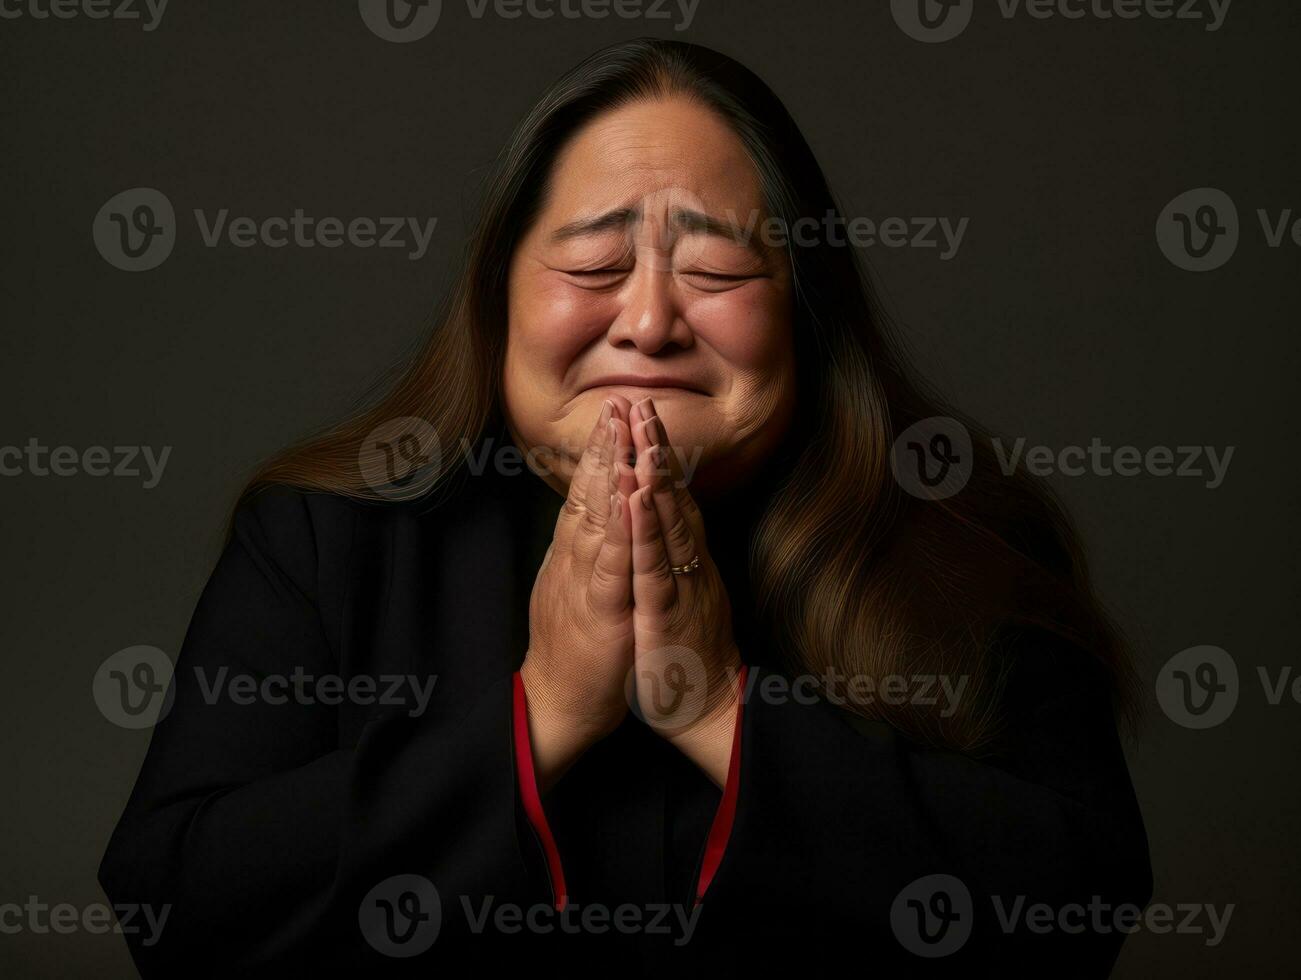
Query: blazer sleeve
[258,826]
[840,823]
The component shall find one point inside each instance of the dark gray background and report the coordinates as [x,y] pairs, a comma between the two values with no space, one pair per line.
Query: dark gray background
[1060,320]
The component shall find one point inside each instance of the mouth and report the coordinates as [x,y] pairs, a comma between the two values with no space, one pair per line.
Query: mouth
[657,382]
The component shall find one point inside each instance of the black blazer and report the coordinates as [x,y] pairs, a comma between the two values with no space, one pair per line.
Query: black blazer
[314,837]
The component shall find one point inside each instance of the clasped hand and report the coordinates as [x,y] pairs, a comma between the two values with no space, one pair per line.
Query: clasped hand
[628,611]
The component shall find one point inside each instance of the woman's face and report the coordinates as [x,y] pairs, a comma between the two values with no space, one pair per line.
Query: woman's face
[639,278]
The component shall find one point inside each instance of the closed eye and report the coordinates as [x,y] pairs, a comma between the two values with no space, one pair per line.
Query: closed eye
[597,278]
[718,281]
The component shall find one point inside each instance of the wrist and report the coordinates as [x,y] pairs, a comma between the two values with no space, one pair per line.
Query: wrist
[558,730]
[708,740]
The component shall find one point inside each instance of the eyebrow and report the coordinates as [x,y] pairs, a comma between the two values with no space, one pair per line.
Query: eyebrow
[614,220]
[621,218]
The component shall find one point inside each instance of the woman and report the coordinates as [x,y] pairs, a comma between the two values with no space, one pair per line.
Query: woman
[686,662]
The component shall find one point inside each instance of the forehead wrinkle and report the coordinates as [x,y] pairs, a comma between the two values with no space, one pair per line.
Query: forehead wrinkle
[626,155]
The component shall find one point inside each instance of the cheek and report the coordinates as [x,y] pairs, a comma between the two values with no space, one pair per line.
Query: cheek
[551,322]
[748,327]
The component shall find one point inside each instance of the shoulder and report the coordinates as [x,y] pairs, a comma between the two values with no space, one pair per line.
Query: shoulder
[295,535]
[311,534]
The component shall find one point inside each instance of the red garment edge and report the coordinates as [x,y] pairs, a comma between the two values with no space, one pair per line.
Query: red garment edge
[721,829]
[719,832]
[528,787]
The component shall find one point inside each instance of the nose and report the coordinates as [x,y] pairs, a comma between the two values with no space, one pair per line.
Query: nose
[651,320]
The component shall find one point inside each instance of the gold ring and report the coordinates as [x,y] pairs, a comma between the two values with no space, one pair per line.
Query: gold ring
[686,569]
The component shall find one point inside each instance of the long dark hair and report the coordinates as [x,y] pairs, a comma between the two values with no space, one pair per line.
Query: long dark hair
[851,575]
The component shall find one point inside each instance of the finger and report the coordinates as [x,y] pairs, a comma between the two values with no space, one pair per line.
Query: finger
[676,483]
[638,417]
[575,506]
[589,533]
[653,472]
[625,479]
[610,589]
[654,590]
[648,430]
[622,406]
[624,449]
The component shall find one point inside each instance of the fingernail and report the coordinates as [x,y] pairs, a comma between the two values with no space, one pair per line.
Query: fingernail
[650,402]
[648,430]
[607,409]
[662,433]
[615,505]
[661,457]
[646,498]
